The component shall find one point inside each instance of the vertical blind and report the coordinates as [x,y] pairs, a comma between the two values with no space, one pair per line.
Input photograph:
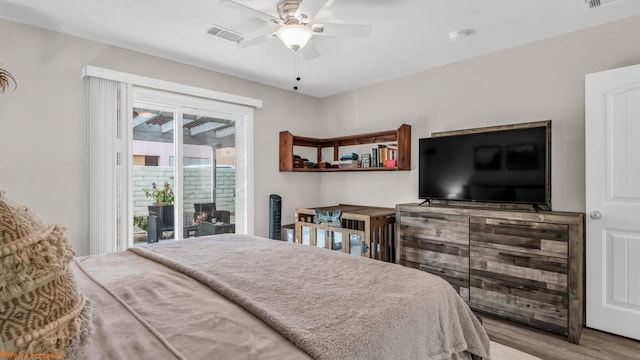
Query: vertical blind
[107,177]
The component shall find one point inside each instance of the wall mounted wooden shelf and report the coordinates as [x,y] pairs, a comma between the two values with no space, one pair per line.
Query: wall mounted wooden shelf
[401,136]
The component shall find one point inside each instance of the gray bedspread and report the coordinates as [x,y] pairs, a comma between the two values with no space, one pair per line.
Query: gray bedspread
[330,305]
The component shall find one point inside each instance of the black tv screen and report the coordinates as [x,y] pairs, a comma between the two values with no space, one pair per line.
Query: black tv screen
[508,166]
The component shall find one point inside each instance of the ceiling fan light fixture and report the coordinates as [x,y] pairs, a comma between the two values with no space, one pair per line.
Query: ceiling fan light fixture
[294,36]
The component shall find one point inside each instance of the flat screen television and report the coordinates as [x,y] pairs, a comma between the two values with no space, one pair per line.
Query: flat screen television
[505,166]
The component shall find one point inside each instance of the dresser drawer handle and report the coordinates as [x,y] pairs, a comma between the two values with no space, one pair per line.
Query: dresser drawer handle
[526,226]
[524,287]
[515,256]
[427,219]
[430,270]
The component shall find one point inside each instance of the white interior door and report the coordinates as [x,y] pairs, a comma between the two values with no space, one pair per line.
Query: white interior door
[613,200]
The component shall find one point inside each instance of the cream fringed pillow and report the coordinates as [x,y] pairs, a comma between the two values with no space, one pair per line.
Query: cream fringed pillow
[42,311]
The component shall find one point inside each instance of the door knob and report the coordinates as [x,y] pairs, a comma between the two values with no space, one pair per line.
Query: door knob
[595,215]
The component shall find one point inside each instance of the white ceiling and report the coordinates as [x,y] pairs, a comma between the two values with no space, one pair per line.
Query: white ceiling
[408,35]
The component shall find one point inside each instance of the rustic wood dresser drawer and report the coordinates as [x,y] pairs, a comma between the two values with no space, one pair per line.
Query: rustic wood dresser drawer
[545,272]
[519,270]
[546,309]
[438,244]
[527,236]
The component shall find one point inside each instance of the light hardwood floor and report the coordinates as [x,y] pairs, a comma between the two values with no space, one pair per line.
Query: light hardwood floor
[594,345]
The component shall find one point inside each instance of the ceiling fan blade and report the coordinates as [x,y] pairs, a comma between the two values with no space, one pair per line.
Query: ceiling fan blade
[256,40]
[249,10]
[310,51]
[309,8]
[348,30]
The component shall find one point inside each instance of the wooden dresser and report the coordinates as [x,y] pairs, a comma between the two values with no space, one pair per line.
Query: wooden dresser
[521,265]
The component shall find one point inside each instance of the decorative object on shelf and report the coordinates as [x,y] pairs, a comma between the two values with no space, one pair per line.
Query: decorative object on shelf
[326,216]
[5,80]
[390,163]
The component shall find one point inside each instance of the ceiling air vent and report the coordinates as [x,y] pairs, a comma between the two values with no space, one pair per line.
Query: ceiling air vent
[593,4]
[225,34]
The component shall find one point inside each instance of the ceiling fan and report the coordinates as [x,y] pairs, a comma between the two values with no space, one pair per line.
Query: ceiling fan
[295,26]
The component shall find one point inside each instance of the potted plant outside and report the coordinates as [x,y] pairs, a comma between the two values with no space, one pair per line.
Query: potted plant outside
[161,195]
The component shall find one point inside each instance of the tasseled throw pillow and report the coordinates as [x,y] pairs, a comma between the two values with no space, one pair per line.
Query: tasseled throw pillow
[42,311]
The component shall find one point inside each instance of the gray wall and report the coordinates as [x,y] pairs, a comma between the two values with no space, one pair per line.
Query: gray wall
[42,124]
[43,136]
[540,81]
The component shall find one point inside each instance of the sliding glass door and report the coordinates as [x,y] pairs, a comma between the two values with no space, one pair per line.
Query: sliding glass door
[153,177]
[184,169]
[194,144]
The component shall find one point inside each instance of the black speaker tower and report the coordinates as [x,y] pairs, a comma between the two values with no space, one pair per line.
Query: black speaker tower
[275,216]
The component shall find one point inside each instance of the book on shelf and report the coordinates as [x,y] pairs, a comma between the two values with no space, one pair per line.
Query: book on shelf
[349,164]
[366,160]
[392,151]
[349,156]
[374,157]
[382,154]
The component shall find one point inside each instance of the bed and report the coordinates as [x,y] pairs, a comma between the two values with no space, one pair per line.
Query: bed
[243,297]
[218,297]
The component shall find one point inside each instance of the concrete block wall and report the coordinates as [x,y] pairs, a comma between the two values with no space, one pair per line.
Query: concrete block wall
[226,188]
[197,186]
[143,177]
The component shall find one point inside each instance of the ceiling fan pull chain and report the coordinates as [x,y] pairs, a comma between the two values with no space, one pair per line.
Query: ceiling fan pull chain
[296,66]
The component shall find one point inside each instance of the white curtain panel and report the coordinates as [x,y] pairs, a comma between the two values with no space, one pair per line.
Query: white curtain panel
[107,177]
